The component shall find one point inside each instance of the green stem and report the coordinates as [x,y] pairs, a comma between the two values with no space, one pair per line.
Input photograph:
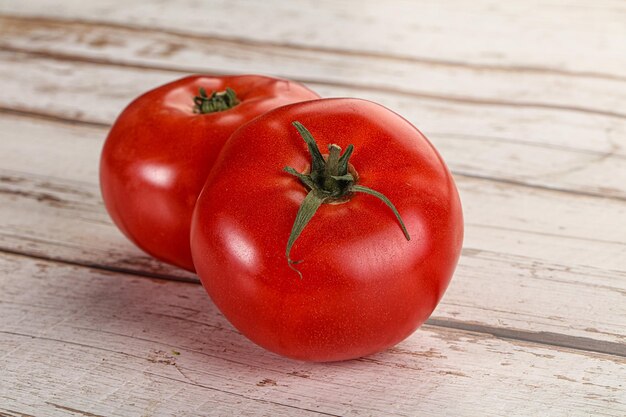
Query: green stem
[332,166]
[343,161]
[318,162]
[328,181]
[309,206]
[366,190]
[216,102]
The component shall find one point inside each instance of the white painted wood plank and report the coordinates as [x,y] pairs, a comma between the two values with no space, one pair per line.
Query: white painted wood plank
[583,148]
[55,166]
[529,36]
[77,339]
[424,80]
[534,260]
[365,74]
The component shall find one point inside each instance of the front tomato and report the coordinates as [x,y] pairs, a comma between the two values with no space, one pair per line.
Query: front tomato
[161,148]
[306,254]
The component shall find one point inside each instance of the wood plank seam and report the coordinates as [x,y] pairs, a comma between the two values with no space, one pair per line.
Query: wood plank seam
[456,172]
[51,117]
[354,86]
[496,139]
[548,338]
[576,343]
[534,321]
[339,51]
[94,322]
[70,193]
[13,413]
[107,268]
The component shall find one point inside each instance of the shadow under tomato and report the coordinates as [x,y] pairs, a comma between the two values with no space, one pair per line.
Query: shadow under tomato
[180,333]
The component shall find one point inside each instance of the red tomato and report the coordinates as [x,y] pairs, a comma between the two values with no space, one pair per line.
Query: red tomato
[161,148]
[358,285]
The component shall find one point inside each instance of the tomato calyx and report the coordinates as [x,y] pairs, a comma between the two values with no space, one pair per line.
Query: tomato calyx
[216,102]
[330,180]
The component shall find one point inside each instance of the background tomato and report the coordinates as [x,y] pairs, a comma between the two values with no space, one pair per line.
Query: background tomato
[160,150]
[364,287]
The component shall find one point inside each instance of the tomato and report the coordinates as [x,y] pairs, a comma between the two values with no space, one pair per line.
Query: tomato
[162,146]
[303,257]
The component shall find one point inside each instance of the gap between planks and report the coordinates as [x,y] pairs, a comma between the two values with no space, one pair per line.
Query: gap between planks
[111,330]
[240,41]
[599,202]
[351,86]
[567,191]
[157,49]
[583,344]
[577,169]
[67,120]
[67,200]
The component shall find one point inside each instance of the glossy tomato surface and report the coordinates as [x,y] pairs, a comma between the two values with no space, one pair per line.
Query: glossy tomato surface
[158,153]
[364,287]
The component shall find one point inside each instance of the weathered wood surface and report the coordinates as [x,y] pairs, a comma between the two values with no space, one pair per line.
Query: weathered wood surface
[526,104]
[530,37]
[518,248]
[566,139]
[74,338]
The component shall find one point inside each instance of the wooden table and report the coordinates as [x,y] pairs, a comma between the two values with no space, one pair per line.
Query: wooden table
[526,103]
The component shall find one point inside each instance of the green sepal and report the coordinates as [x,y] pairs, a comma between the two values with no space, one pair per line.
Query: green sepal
[381,196]
[307,209]
[329,181]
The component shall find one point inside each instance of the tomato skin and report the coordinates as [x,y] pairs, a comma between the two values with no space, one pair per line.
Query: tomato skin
[159,152]
[364,287]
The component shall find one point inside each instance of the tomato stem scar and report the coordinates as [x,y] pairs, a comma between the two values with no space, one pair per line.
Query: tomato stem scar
[216,102]
[330,180]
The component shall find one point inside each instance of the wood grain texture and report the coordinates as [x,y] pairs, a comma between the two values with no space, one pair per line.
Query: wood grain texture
[129,46]
[524,101]
[482,34]
[522,247]
[583,148]
[51,199]
[123,45]
[76,340]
